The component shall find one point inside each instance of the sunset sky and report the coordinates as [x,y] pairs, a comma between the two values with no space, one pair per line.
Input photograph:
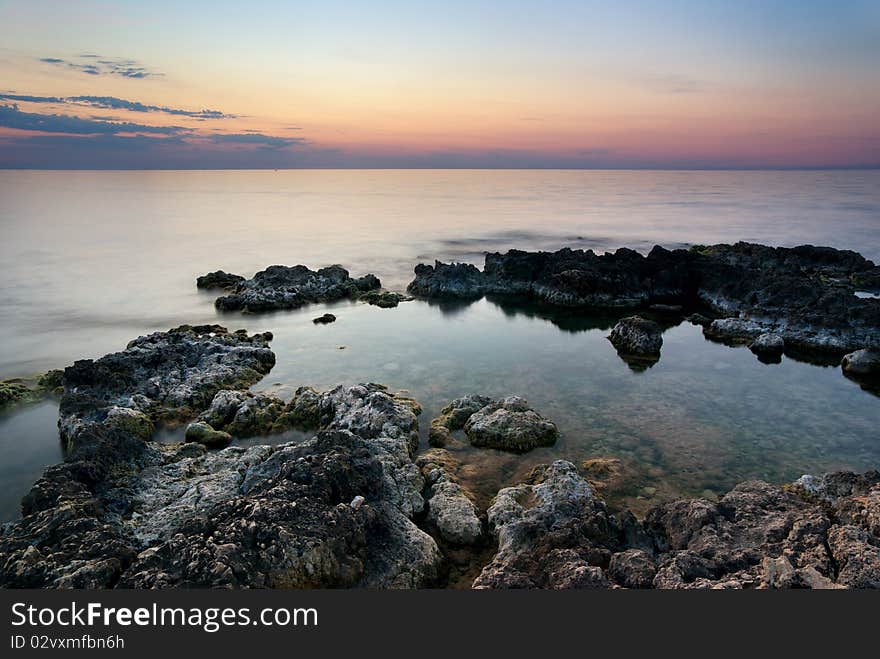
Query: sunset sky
[439,84]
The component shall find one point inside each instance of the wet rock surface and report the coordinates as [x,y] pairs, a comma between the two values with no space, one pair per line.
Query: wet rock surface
[805,294]
[281,287]
[508,424]
[21,391]
[326,319]
[638,341]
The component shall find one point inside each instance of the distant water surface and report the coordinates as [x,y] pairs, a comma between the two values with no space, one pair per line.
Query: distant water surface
[90,260]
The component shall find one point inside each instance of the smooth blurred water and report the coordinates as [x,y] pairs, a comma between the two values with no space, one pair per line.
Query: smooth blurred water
[89,260]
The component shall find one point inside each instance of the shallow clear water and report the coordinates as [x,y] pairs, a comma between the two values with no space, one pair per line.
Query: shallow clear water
[89,260]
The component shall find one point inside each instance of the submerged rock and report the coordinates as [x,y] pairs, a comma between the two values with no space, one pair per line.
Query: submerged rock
[768,347]
[282,287]
[204,433]
[805,294]
[384,299]
[637,340]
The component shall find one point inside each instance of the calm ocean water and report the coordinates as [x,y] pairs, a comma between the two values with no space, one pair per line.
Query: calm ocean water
[90,260]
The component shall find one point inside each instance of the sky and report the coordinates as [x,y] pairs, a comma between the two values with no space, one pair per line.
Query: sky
[462,84]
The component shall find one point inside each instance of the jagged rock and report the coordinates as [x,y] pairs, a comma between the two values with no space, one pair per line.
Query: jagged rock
[805,294]
[203,433]
[326,319]
[510,425]
[552,533]
[219,279]
[450,510]
[633,568]
[125,512]
[164,376]
[384,299]
[768,347]
[637,340]
[282,287]
[456,280]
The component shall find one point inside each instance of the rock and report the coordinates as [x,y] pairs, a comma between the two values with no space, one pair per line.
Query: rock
[734,330]
[21,391]
[805,294]
[637,340]
[857,556]
[699,319]
[282,287]
[455,280]
[326,319]
[451,511]
[552,533]
[510,425]
[384,299]
[164,376]
[219,279]
[243,413]
[203,433]
[633,568]
[12,391]
[122,512]
[862,364]
[768,347]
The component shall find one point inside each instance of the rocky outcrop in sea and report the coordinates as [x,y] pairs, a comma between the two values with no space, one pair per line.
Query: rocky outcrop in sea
[281,287]
[805,295]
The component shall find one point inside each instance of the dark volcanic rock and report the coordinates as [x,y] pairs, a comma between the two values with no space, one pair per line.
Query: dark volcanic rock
[283,287]
[637,340]
[332,511]
[805,294]
[219,279]
[326,319]
[162,376]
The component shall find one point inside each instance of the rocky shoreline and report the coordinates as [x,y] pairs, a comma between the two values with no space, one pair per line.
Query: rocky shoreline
[358,504]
